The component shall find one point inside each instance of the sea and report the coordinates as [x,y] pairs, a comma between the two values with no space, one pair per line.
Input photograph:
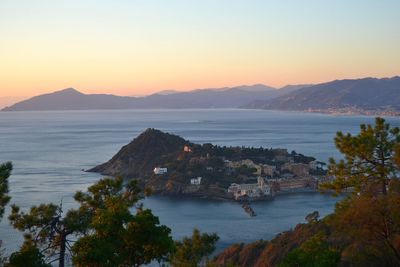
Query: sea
[50,150]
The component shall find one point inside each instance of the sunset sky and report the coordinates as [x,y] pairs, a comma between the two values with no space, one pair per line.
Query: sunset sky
[135,47]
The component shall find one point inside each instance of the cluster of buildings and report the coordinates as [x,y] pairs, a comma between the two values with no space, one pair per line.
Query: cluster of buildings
[286,175]
[297,169]
[290,176]
[250,191]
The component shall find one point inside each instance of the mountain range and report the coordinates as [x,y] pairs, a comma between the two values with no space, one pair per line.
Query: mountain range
[363,94]
[229,97]
[349,95]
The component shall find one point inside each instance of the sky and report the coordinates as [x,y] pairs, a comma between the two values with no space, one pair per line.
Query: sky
[136,47]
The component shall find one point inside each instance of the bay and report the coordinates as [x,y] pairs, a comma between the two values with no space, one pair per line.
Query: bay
[50,149]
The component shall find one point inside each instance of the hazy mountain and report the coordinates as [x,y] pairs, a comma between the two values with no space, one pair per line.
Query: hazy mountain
[367,93]
[9,100]
[167,92]
[71,99]
[293,87]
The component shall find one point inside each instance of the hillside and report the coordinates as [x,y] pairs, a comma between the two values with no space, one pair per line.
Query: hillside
[363,94]
[71,99]
[183,161]
[268,253]
[150,149]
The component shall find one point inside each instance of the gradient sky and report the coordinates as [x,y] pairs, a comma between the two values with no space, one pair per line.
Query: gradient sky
[135,47]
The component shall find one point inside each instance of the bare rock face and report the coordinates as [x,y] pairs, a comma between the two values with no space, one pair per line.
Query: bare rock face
[138,158]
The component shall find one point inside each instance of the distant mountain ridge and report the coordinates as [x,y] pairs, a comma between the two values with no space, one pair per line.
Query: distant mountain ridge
[365,94]
[71,99]
[369,96]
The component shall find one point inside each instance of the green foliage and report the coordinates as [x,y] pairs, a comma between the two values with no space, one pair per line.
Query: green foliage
[397,155]
[49,228]
[246,170]
[5,171]
[369,158]
[190,252]
[28,256]
[116,236]
[315,252]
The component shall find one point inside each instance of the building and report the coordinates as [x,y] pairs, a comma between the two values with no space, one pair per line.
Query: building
[160,170]
[281,154]
[298,169]
[316,165]
[187,149]
[269,170]
[252,191]
[195,181]
[295,184]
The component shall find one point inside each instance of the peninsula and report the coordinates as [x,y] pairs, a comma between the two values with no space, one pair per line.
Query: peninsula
[170,165]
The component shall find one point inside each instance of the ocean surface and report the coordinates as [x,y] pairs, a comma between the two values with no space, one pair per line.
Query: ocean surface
[50,149]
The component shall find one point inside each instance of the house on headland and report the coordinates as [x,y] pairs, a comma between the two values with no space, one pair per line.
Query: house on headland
[195,181]
[160,170]
[187,149]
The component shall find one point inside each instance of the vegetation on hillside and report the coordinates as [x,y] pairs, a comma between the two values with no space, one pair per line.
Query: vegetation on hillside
[5,171]
[364,229]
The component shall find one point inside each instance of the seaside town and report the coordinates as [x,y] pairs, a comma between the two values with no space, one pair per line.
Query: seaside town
[285,176]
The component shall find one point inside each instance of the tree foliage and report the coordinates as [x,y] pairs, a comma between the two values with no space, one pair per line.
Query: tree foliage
[118,237]
[190,252]
[369,226]
[28,256]
[5,171]
[48,229]
[369,158]
[315,252]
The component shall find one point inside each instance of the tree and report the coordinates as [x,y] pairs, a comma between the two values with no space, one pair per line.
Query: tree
[369,226]
[369,159]
[190,252]
[312,217]
[5,171]
[315,252]
[45,227]
[397,155]
[117,237]
[28,256]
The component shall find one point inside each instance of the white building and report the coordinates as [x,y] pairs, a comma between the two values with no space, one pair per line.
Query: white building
[159,170]
[195,181]
[187,149]
[257,190]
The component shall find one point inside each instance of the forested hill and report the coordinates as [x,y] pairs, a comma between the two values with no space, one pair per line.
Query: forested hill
[366,94]
[150,149]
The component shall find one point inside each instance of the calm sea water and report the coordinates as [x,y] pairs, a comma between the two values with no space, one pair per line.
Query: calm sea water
[49,150]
